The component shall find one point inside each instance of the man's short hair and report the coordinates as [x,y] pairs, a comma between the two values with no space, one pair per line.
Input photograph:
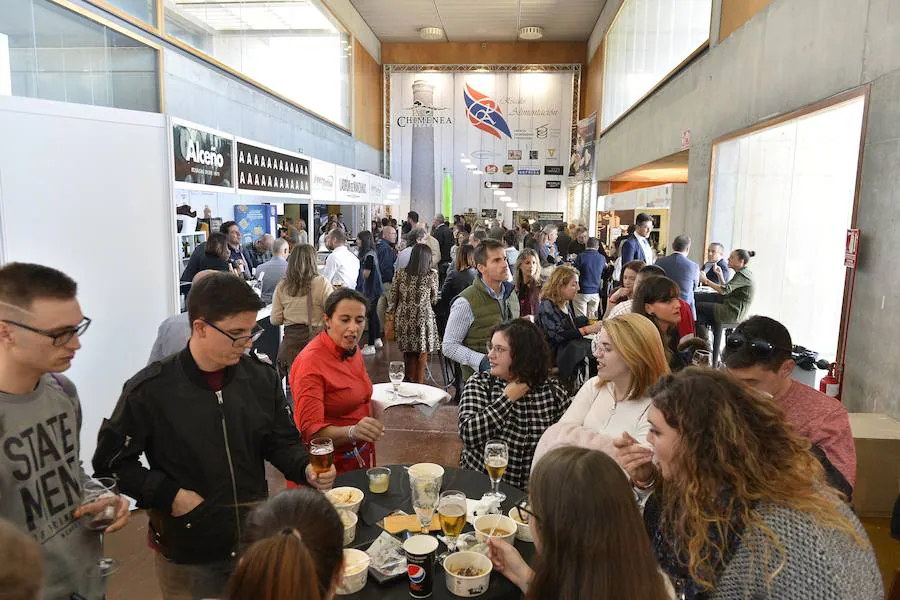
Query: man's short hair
[21,564]
[767,330]
[548,229]
[413,216]
[337,235]
[480,235]
[23,283]
[439,218]
[279,245]
[415,236]
[220,296]
[592,243]
[643,218]
[652,270]
[226,226]
[719,246]
[681,243]
[482,250]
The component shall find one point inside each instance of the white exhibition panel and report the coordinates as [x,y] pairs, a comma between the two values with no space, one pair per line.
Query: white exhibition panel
[84,189]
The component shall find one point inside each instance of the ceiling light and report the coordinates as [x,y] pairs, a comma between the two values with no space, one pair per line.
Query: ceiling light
[531,33]
[431,33]
[513,205]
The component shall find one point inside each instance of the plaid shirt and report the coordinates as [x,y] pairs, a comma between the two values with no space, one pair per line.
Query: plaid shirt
[485,413]
[255,255]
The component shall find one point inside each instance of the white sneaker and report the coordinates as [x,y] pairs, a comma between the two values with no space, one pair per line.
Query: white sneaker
[368,350]
[379,344]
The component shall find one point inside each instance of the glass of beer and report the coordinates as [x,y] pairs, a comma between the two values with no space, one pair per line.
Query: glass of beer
[321,454]
[496,458]
[452,515]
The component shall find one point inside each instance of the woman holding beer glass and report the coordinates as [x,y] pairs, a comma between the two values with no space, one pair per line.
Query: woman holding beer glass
[587,531]
[332,390]
[513,403]
[745,510]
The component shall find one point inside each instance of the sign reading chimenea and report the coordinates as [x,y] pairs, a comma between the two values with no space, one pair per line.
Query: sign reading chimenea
[270,171]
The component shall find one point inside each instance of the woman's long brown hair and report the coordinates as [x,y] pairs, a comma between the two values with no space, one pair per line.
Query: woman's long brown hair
[593,541]
[301,270]
[295,549]
[736,452]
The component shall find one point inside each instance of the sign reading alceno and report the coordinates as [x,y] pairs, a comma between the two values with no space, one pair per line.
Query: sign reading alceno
[202,157]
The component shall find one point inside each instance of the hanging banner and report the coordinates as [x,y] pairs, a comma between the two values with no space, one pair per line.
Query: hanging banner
[264,170]
[323,181]
[581,165]
[202,157]
[376,189]
[352,185]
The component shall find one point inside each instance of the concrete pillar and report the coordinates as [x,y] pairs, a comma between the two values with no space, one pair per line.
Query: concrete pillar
[421,187]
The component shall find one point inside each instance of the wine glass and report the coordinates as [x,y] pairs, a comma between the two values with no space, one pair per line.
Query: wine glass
[102,493]
[396,372]
[496,459]
[452,515]
[425,495]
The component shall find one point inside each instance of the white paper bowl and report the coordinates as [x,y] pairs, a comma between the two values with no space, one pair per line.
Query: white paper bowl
[427,470]
[349,520]
[523,531]
[334,495]
[354,579]
[467,587]
[485,523]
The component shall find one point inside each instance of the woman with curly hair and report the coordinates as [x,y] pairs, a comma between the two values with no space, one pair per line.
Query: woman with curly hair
[740,507]
[514,402]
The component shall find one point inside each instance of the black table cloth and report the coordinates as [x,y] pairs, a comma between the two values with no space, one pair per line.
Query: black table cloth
[398,497]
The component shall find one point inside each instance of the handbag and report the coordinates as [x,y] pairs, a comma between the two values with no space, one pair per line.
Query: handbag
[313,329]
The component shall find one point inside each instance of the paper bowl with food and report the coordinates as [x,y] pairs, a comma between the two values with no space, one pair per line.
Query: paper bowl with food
[349,521]
[502,526]
[346,498]
[468,574]
[427,471]
[523,528]
[355,573]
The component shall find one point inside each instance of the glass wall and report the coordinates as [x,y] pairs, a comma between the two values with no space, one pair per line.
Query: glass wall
[49,52]
[787,192]
[288,46]
[648,39]
[144,10]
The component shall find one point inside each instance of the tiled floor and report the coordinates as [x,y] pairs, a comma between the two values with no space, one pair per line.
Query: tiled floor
[409,437]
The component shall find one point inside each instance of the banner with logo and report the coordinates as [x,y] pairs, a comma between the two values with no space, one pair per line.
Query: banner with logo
[513,128]
[581,163]
[264,170]
[352,185]
[202,157]
[323,181]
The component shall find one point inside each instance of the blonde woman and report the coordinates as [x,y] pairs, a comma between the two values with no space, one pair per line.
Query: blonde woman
[615,404]
[556,316]
[298,304]
[527,279]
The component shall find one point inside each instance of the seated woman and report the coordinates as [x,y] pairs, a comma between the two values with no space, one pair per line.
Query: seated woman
[626,291]
[331,388]
[527,279]
[630,358]
[745,511]
[565,331]
[294,549]
[216,255]
[458,278]
[514,402]
[658,299]
[737,295]
[582,516]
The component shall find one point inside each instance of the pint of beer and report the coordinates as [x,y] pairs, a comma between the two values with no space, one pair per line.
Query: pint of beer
[321,454]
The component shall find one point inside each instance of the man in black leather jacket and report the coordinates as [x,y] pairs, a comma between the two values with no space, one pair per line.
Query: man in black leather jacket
[206,419]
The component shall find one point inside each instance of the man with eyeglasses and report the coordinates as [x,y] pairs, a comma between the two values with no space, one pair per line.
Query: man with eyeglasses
[41,478]
[207,419]
[759,353]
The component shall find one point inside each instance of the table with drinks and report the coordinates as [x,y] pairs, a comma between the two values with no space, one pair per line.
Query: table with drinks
[430,495]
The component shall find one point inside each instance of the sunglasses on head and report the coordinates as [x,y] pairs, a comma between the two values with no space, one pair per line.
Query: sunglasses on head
[761,348]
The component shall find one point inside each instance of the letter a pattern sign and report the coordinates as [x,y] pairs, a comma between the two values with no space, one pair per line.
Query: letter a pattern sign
[262,169]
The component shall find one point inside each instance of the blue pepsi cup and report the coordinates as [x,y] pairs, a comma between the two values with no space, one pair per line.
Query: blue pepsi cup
[420,551]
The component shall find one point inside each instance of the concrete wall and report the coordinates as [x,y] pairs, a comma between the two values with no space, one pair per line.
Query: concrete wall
[792,54]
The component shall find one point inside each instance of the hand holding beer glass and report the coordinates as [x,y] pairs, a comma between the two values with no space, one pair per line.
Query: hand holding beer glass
[452,514]
[321,455]
[496,458]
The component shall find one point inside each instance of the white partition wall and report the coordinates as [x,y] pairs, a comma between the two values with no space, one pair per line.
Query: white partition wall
[85,190]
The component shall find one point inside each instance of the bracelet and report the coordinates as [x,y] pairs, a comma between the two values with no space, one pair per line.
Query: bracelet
[644,486]
[350,434]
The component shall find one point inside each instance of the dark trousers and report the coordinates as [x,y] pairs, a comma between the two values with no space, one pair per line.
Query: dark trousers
[414,363]
[374,321]
[706,319]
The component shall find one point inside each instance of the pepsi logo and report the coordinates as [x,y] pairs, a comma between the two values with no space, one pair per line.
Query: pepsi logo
[416,573]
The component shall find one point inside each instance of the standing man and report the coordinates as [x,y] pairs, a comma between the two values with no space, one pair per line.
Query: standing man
[387,254]
[206,419]
[416,236]
[682,270]
[274,270]
[341,266]
[441,232]
[260,250]
[590,265]
[175,331]
[564,241]
[637,245]
[412,219]
[433,244]
[489,301]
[41,478]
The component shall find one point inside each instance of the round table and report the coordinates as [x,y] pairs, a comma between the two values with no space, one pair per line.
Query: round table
[473,484]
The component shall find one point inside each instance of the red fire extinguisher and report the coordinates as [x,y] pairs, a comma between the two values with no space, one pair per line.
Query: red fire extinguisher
[831,385]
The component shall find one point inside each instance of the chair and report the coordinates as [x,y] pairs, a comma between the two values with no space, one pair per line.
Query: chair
[721,332]
[452,373]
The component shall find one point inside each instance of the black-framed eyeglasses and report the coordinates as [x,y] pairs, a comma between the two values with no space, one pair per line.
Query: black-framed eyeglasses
[524,511]
[760,348]
[60,337]
[240,341]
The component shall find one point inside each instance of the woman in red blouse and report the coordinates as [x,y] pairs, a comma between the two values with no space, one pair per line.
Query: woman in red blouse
[331,388]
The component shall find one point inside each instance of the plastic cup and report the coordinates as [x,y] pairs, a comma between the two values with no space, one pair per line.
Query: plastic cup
[379,479]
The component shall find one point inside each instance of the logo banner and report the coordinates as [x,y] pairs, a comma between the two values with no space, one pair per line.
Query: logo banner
[265,170]
[202,157]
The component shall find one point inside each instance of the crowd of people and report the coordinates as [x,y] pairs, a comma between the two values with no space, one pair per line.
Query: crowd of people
[646,477]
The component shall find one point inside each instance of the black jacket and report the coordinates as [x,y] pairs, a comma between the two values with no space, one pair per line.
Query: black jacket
[168,412]
[445,240]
